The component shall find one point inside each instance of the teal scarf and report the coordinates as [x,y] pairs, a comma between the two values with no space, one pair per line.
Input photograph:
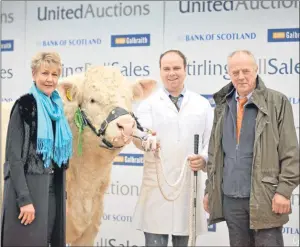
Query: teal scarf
[51,108]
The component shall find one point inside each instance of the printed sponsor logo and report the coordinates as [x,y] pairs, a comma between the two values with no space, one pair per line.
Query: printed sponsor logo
[290,230]
[4,99]
[90,11]
[217,37]
[130,40]
[129,160]
[186,7]
[284,35]
[70,42]
[117,217]
[7,45]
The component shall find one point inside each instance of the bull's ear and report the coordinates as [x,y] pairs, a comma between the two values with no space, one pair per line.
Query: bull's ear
[143,88]
[70,90]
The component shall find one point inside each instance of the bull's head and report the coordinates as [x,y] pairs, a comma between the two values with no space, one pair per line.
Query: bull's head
[104,99]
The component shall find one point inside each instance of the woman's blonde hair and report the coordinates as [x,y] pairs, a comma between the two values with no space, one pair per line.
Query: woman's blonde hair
[49,58]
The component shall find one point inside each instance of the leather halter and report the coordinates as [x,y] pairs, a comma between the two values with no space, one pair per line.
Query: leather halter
[114,114]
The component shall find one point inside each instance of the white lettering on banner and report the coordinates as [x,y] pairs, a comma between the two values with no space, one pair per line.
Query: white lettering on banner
[218,6]
[292,35]
[142,40]
[90,11]
[6,46]
[131,159]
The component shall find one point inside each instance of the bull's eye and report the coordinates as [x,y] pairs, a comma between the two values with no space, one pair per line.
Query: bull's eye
[92,101]
[120,127]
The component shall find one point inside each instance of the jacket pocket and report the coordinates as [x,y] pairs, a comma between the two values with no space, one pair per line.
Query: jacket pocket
[270,184]
[270,180]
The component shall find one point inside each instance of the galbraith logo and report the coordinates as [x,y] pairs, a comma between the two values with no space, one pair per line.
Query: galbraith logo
[129,160]
[130,40]
[284,35]
[91,11]
[218,6]
[7,45]
[217,36]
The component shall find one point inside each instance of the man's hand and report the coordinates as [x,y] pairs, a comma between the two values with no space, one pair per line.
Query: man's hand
[280,204]
[197,162]
[27,214]
[205,203]
[150,143]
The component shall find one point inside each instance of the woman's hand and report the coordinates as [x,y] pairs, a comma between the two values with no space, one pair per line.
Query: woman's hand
[27,214]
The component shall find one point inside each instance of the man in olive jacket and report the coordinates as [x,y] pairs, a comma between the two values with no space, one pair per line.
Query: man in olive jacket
[253,163]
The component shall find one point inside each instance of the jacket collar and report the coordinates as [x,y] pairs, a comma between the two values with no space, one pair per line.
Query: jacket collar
[258,97]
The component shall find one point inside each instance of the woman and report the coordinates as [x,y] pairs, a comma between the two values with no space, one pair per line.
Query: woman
[38,147]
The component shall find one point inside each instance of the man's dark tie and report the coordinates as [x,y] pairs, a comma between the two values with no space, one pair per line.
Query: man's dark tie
[175,101]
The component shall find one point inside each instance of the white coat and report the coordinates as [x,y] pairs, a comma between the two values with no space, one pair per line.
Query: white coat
[175,130]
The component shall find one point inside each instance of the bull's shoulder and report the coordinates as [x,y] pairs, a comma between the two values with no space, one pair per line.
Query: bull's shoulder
[27,107]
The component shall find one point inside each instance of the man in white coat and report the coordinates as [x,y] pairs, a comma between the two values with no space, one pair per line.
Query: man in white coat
[176,115]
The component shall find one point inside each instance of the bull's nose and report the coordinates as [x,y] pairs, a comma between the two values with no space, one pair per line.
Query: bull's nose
[126,124]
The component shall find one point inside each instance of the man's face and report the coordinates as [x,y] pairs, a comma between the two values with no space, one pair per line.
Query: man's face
[172,72]
[243,73]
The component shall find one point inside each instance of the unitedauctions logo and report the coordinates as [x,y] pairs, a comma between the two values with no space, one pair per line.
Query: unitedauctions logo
[284,35]
[219,6]
[130,40]
[91,11]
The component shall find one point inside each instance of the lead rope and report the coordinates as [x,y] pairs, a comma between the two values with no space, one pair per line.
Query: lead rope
[176,188]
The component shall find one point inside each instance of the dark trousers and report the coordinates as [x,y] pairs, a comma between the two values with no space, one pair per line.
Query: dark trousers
[236,213]
[162,240]
[51,208]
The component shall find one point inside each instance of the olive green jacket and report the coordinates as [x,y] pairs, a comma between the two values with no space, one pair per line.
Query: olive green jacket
[275,167]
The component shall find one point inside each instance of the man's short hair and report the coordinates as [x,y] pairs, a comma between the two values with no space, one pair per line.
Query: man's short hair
[174,51]
[247,52]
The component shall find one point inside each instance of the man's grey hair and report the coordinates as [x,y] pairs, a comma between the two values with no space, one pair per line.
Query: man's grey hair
[247,52]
